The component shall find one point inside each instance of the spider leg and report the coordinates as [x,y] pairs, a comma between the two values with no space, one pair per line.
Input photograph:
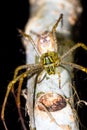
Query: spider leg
[5,100]
[17,99]
[17,71]
[74,48]
[34,69]
[18,103]
[54,30]
[75,66]
[59,79]
[56,24]
[28,66]
[41,76]
[30,39]
[19,91]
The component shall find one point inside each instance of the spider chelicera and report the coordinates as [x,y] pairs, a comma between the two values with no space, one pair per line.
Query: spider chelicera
[47,52]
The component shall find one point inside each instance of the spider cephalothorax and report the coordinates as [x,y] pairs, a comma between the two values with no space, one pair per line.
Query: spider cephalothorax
[49,60]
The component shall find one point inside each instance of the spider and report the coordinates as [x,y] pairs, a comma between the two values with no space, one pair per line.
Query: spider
[47,52]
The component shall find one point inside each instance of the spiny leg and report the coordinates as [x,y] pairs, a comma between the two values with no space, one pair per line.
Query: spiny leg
[27,66]
[18,103]
[59,79]
[4,104]
[41,76]
[38,35]
[29,73]
[9,87]
[75,66]
[17,71]
[56,24]
[19,91]
[74,48]
[30,39]
[54,28]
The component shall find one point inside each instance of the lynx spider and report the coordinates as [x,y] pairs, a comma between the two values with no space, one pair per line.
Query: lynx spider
[49,59]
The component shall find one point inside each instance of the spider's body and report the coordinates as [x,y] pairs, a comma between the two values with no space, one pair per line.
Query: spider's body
[47,51]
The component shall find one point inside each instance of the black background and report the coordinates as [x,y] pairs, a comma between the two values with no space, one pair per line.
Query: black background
[14,15]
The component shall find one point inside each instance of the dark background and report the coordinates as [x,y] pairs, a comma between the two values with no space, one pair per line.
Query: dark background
[12,54]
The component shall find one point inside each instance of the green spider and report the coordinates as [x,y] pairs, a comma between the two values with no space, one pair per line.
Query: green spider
[47,52]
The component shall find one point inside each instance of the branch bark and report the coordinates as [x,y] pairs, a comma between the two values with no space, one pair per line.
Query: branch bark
[44,14]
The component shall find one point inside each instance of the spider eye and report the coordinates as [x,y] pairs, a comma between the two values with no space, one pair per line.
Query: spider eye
[44,40]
